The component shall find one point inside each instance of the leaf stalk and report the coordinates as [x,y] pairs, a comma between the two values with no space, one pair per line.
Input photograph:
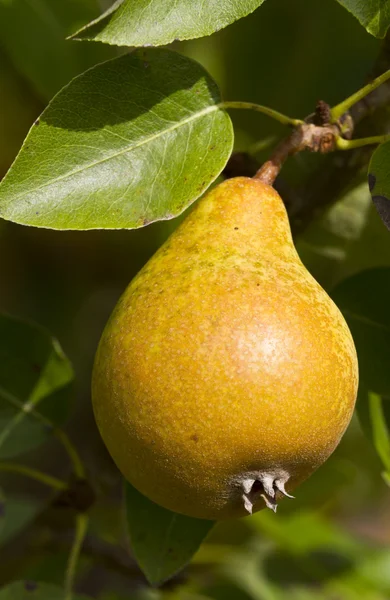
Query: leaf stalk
[82,521]
[343,144]
[44,478]
[77,463]
[265,110]
[341,108]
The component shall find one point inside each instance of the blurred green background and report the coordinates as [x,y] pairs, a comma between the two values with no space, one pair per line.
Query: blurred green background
[332,541]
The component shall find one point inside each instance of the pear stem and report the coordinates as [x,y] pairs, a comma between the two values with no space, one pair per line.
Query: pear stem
[328,129]
[308,136]
[274,114]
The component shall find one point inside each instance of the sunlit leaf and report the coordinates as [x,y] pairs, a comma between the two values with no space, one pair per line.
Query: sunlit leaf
[159,22]
[163,542]
[374,15]
[131,141]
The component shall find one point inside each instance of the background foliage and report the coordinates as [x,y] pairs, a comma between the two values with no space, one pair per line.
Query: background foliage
[332,542]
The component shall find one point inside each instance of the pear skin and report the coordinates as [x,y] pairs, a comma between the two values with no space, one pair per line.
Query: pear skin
[225,375]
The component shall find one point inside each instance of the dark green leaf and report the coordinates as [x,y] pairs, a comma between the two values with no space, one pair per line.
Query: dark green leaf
[374,416]
[163,542]
[19,108]
[2,514]
[380,430]
[31,590]
[33,372]
[329,241]
[16,512]
[364,300]
[379,181]
[159,22]
[363,410]
[131,141]
[374,15]
[33,34]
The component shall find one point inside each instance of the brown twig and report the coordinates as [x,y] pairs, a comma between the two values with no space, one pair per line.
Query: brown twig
[308,136]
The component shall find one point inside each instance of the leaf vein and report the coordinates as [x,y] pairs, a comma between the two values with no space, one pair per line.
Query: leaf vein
[123,151]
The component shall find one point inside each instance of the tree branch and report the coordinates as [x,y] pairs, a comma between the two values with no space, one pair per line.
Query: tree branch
[340,170]
[308,136]
[337,171]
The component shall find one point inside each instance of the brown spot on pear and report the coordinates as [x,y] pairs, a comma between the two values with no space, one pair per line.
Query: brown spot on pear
[266,375]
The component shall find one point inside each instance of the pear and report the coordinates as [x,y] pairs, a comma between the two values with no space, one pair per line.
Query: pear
[225,375]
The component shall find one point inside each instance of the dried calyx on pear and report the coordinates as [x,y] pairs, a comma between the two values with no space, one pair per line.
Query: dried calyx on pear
[267,485]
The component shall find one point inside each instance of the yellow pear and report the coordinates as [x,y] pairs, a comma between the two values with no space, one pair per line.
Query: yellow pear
[225,375]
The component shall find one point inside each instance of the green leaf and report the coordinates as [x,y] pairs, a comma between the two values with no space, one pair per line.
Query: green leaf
[379,181]
[374,416]
[31,590]
[364,300]
[159,22]
[375,570]
[330,240]
[380,430]
[16,512]
[131,141]
[374,15]
[304,532]
[163,542]
[246,576]
[33,35]
[33,372]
